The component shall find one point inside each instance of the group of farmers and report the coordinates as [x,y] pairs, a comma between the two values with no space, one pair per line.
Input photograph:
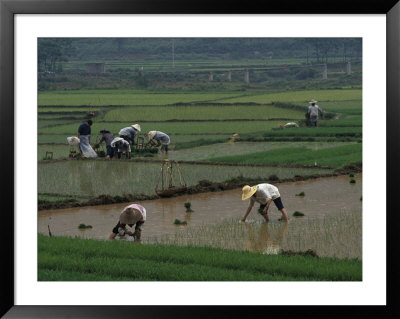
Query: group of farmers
[135,214]
[116,146]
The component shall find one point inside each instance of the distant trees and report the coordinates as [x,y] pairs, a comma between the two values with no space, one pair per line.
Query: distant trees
[323,48]
[53,51]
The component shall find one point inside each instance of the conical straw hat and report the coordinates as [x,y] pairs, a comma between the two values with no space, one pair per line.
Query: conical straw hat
[136,127]
[130,216]
[248,191]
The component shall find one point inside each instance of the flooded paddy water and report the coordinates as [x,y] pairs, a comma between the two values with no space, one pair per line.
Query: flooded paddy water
[331,225]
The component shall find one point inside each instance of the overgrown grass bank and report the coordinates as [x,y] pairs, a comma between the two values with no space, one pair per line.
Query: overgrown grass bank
[73,259]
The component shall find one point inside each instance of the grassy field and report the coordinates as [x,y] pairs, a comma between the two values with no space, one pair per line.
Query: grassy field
[334,156]
[189,127]
[299,97]
[72,259]
[200,112]
[124,97]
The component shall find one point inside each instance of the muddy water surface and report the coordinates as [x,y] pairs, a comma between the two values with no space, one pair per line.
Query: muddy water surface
[323,197]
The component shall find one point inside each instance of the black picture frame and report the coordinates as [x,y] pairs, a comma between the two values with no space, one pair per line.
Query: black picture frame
[8,10]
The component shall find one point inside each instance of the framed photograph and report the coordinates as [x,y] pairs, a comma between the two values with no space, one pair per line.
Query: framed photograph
[198,88]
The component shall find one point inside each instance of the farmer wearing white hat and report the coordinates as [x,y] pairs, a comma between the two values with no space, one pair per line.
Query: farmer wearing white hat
[120,146]
[161,138]
[263,194]
[129,133]
[313,111]
[133,214]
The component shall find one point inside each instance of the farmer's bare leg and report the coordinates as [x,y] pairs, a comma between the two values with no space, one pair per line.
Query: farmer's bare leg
[285,215]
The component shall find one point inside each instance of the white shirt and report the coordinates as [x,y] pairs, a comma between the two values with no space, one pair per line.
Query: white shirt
[264,193]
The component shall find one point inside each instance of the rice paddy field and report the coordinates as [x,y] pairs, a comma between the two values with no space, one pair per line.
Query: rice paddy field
[93,178]
[201,125]
[197,119]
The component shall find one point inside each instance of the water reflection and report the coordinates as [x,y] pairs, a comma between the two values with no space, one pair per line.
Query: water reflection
[266,238]
[326,197]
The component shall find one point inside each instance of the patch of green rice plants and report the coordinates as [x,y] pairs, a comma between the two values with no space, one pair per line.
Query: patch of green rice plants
[84,226]
[201,112]
[317,131]
[298,214]
[351,107]
[330,236]
[223,127]
[204,149]
[53,138]
[95,178]
[347,121]
[123,97]
[104,260]
[59,151]
[43,198]
[66,110]
[52,123]
[300,96]
[333,157]
[338,236]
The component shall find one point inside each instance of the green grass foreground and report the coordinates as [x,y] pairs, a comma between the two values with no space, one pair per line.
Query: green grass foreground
[74,259]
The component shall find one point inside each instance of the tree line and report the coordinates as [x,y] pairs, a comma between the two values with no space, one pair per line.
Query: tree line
[52,52]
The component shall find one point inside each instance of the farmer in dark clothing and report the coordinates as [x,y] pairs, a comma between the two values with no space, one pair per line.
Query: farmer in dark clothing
[107,138]
[84,132]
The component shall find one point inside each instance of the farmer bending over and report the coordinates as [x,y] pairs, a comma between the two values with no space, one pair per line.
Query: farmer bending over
[133,214]
[263,194]
[161,139]
[121,146]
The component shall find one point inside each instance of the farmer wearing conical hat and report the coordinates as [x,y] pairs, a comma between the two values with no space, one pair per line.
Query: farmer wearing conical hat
[263,194]
[161,138]
[313,111]
[129,133]
[133,214]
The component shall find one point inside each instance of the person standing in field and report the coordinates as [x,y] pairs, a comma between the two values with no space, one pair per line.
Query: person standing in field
[84,132]
[263,194]
[120,146]
[129,133]
[133,214]
[161,138]
[313,111]
[107,138]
